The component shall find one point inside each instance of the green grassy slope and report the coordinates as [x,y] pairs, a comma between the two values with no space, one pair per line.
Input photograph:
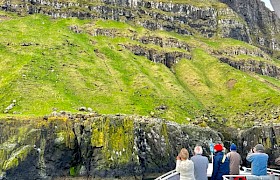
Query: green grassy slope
[64,70]
[45,65]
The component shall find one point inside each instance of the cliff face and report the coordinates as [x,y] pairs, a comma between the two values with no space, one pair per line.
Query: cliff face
[264,25]
[212,20]
[254,66]
[266,135]
[149,14]
[107,146]
[249,21]
[94,146]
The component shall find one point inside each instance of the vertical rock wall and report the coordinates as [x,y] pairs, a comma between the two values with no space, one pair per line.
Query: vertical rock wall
[263,24]
[95,146]
[269,136]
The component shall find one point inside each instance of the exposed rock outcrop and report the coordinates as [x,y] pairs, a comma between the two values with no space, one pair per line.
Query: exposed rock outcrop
[255,66]
[166,58]
[263,24]
[95,146]
[258,25]
[181,18]
[109,146]
[266,135]
[236,51]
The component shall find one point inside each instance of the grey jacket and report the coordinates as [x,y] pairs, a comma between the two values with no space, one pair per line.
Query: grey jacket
[200,167]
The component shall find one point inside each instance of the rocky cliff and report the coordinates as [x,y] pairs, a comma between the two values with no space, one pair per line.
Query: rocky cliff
[110,146]
[96,146]
[249,21]
[266,135]
[263,24]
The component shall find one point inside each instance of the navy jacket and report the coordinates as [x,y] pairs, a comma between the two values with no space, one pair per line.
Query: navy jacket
[220,168]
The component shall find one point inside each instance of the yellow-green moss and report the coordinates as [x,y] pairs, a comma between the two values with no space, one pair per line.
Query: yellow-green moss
[63,128]
[66,137]
[97,138]
[116,138]
[74,171]
[17,157]
[24,134]
[3,157]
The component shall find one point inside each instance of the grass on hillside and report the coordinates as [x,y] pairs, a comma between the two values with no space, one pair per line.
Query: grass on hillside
[223,89]
[45,65]
[64,70]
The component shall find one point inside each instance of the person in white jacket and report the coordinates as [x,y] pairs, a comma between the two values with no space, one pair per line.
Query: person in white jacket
[185,166]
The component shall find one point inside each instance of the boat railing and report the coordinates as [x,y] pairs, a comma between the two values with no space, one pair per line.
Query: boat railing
[249,177]
[272,174]
[274,171]
[171,175]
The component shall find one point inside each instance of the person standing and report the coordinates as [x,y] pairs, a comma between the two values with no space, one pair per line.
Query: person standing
[258,160]
[185,166]
[200,164]
[220,163]
[234,160]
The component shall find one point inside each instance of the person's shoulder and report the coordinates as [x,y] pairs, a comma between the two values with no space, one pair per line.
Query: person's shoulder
[266,155]
[236,153]
[193,157]
[189,161]
[260,154]
[204,157]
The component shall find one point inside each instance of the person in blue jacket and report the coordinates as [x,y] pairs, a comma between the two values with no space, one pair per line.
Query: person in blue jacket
[220,163]
[258,160]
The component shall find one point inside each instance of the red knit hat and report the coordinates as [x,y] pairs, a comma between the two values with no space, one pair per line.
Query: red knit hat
[218,147]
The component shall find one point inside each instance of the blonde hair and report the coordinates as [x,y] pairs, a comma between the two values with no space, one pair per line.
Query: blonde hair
[184,153]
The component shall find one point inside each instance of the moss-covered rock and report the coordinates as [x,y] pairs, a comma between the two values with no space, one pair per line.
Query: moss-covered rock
[101,146]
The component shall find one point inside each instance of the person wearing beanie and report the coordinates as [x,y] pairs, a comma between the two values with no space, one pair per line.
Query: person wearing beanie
[218,147]
[258,160]
[234,160]
[200,164]
[220,163]
[185,166]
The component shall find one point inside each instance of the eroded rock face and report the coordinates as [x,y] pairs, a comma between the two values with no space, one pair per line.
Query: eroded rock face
[166,58]
[258,25]
[263,24]
[258,67]
[95,146]
[108,146]
[181,18]
[266,135]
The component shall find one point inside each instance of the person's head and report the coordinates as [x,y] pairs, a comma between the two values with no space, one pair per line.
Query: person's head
[218,148]
[198,150]
[259,148]
[184,154]
[233,147]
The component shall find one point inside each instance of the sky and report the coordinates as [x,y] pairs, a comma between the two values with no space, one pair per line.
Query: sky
[267,3]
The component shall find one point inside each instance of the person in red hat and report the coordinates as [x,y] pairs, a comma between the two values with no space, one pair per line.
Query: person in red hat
[220,163]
